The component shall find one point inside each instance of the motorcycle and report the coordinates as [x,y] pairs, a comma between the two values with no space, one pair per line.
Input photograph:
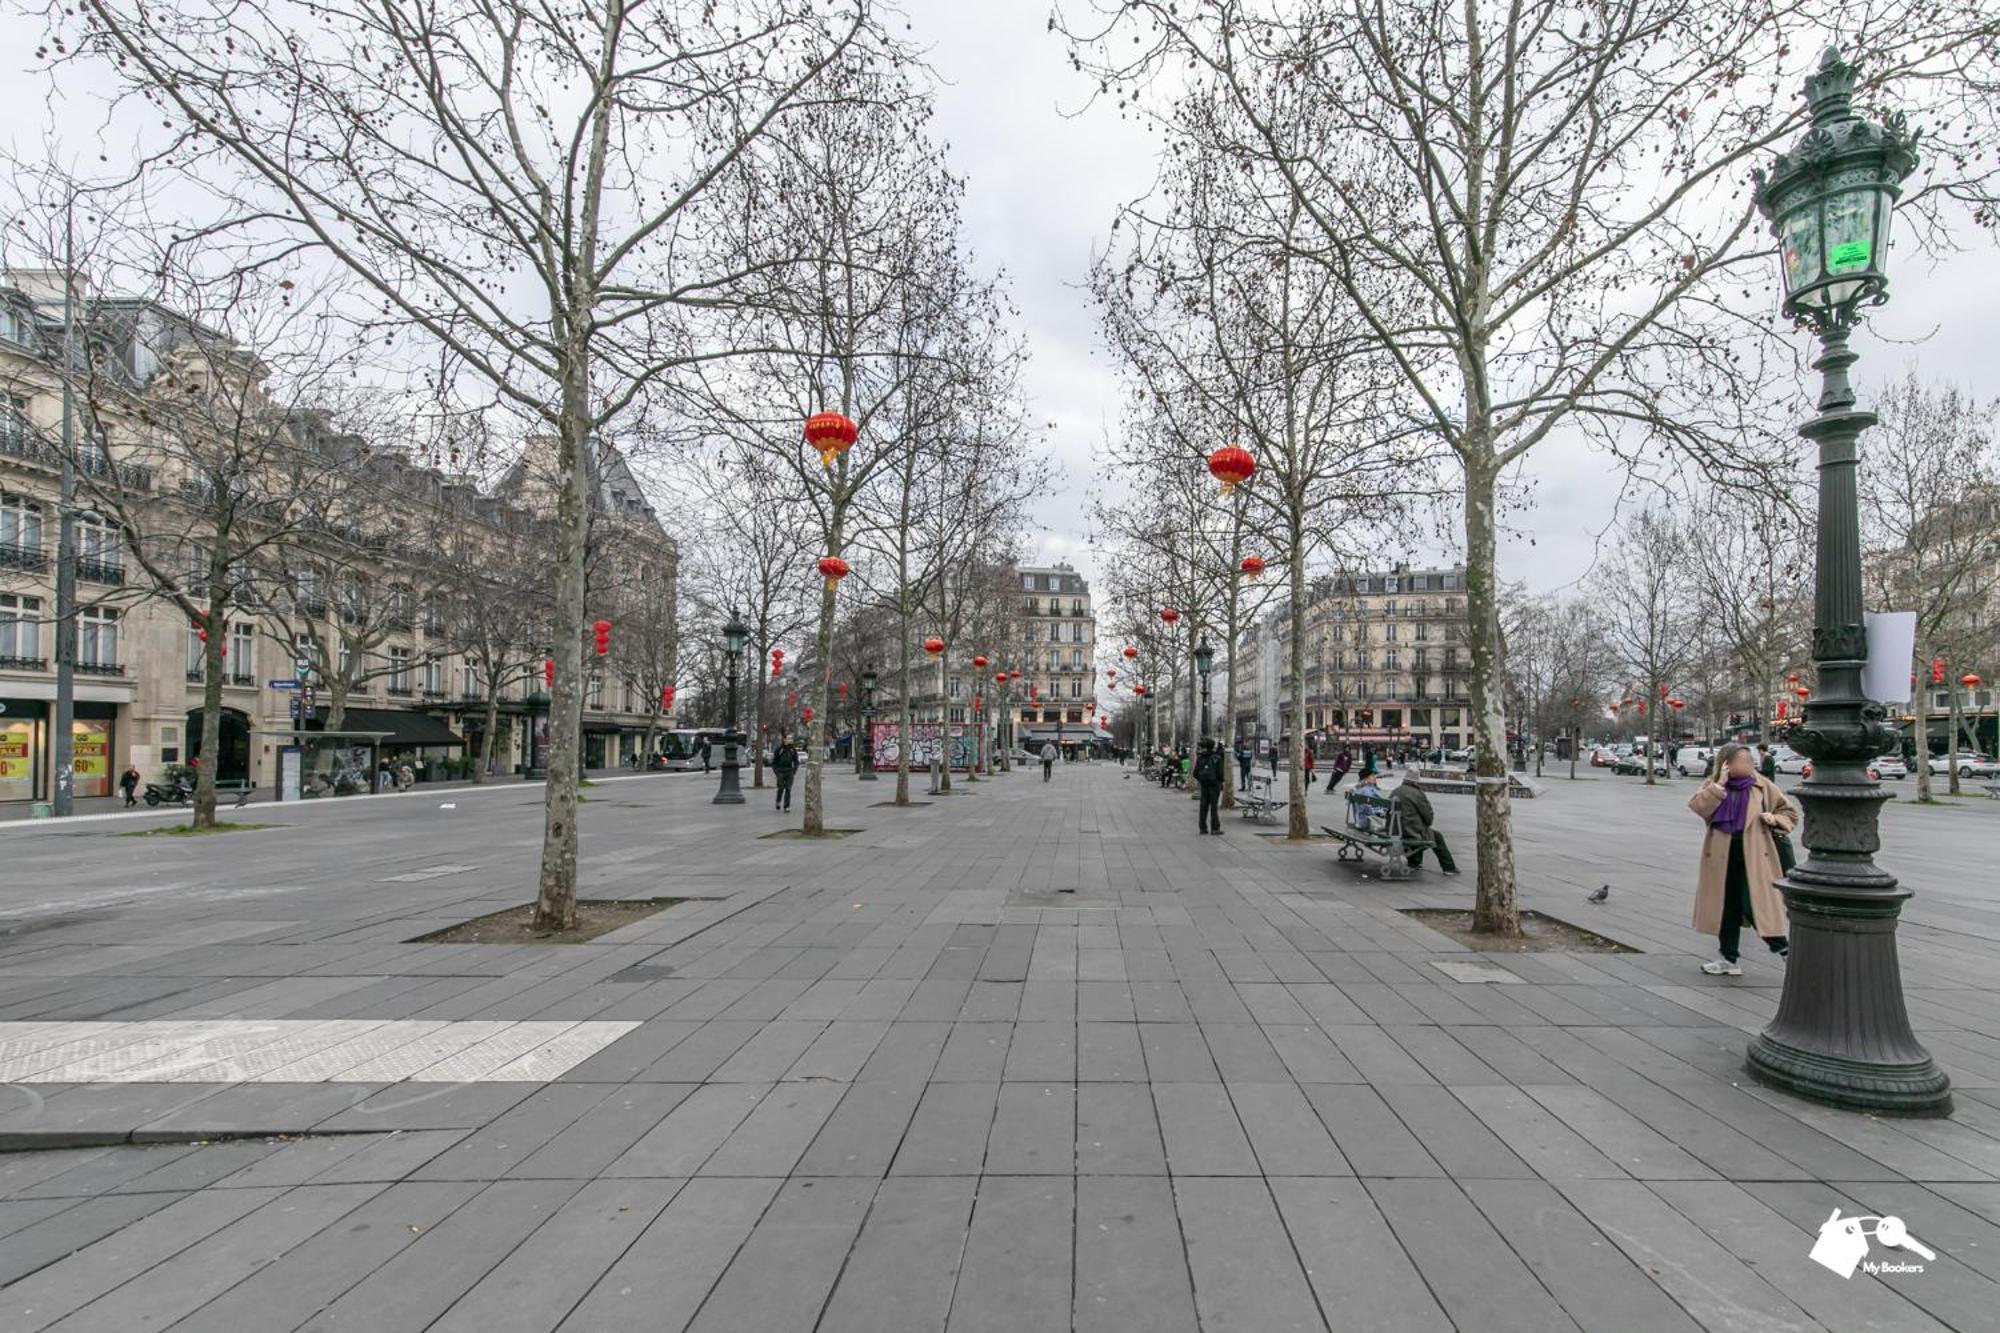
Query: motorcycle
[170,793]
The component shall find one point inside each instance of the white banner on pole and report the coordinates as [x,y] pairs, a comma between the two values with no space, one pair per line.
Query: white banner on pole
[1892,644]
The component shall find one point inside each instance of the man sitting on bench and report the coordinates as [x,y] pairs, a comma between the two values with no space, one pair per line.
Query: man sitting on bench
[1419,823]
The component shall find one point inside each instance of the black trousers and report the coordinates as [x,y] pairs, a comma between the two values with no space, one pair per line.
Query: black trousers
[1736,905]
[1211,807]
[1443,850]
[784,801]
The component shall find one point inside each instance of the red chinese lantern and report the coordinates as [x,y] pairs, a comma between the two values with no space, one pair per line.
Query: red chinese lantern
[808,714]
[1784,708]
[843,691]
[833,569]
[1139,690]
[999,678]
[1664,691]
[1677,704]
[1111,673]
[1169,616]
[1803,692]
[1970,680]
[1937,671]
[667,698]
[201,634]
[1793,679]
[791,699]
[933,645]
[831,434]
[979,662]
[1130,652]
[549,671]
[1253,567]
[602,631]
[1231,465]
[978,703]
[1642,708]
[1034,692]
[1611,709]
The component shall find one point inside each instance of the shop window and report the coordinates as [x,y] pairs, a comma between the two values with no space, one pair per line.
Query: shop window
[90,757]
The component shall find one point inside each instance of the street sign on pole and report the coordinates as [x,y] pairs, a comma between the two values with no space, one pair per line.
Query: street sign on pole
[282,684]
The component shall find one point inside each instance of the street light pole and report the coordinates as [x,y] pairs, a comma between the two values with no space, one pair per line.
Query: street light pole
[730,792]
[868,725]
[1842,1032]
[1204,663]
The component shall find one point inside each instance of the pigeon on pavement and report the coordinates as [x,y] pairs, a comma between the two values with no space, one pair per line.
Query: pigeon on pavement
[1601,894]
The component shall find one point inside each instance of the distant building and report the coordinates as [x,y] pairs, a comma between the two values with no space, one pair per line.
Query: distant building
[1057,635]
[1386,662]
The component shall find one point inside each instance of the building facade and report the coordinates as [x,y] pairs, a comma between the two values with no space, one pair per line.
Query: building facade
[375,608]
[1056,697]
[1386,663]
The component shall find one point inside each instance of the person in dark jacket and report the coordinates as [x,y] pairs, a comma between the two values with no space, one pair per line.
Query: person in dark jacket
[1208,776]
[704,754]
[128,782]
[1342,762]
[1420,821]
[785,763]
[1243,758]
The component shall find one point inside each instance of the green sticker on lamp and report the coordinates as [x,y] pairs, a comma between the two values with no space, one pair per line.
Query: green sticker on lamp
[1847,256]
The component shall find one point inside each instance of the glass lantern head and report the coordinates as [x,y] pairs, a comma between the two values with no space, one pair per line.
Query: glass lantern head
[1829,202]
[1204,657]
[734,636]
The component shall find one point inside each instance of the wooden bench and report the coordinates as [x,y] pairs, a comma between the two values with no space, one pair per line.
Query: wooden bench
[1258,803]
[1375,826]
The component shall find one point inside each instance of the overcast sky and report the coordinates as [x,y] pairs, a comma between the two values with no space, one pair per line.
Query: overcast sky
[1043,183]
[1044,179]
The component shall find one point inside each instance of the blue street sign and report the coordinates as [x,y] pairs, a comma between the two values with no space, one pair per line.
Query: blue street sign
[282,684]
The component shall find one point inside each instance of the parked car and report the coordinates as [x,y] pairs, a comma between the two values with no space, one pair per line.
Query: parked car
[1788,760]
[1602,756]
[1694,760]
[1890,766]
[1875,772]
[1635,765]
[1971,764]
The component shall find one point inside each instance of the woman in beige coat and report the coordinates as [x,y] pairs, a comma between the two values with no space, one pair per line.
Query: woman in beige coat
[1739,857]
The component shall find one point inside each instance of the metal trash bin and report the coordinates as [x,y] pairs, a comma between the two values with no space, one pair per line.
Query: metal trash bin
[40,810]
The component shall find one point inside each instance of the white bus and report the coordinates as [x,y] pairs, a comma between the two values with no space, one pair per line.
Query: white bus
[679,750]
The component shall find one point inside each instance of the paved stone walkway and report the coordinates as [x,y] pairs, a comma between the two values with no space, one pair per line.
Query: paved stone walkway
[1032,1057]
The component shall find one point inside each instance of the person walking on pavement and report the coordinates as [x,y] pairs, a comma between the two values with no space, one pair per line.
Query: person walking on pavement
[1243,757]
[128,782]
[1420,823]
[704,754]
[1744,812]
[1048,760]
[1769,766]
[1342,762]
[1311,765]
[785,763]
[1208,776]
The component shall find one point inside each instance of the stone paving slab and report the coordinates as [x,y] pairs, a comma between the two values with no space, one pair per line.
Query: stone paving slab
[1031,1058]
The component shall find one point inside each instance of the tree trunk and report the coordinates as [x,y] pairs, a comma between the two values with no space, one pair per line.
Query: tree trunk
[555,902]
[211,712]
[492,732]
[823,647]
[1296,826]
[903,720]
[652,733]
[944,728]
[1922,739]
[1951,740]
[1653,746]
[757,698]
[1496,910]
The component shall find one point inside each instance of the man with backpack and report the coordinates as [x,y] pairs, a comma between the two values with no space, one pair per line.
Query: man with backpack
[1208,776]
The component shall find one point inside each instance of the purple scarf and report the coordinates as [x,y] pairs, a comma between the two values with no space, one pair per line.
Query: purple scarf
[1734,812]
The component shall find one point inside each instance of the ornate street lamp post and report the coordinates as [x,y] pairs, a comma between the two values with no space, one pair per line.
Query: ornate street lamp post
[734,636]
[868,724]
[1842,1033]
[1204,662]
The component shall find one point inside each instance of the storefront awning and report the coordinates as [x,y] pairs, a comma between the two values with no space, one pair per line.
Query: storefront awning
[401,726]
[602,727]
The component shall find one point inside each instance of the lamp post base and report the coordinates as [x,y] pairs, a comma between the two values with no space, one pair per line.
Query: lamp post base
[731,790]
[1845,1038]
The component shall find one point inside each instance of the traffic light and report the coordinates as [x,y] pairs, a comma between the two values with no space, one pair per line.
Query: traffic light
[603,631]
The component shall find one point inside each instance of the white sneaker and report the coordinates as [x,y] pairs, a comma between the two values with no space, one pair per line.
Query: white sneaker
[1722,967]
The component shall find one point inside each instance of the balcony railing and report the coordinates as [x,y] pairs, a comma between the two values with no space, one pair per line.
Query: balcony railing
[242,678]
[100,668]
[195,676]
[400,692]
[29,558]
[91,569]
[24,664]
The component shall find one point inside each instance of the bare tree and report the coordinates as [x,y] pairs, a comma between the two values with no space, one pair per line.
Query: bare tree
[1537,217]
[529,189]
[1748,554]
[1930,497]
[1647,609]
